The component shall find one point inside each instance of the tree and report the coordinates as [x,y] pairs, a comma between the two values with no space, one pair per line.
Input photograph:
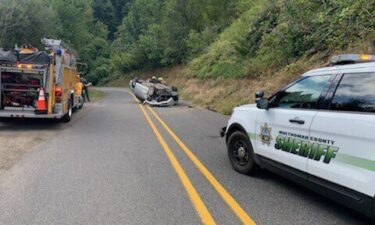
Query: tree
[105,12]
[26,22]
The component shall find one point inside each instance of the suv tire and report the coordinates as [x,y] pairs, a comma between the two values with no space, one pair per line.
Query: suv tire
[241,153]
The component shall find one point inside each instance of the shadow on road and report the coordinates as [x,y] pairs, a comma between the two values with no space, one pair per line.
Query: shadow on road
[310,196]
[44,124]
[29,124]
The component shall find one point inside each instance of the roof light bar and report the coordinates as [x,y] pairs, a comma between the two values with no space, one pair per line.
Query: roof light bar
[351,59]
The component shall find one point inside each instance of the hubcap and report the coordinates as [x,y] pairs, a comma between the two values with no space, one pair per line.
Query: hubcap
[240,153]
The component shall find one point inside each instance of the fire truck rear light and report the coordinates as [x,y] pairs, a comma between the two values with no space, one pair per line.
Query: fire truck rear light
[58,91]
[58,94]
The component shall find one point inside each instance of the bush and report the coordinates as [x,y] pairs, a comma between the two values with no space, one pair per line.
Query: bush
[275,33]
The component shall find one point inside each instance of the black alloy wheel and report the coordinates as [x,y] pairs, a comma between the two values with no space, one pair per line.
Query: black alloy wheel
[240,152]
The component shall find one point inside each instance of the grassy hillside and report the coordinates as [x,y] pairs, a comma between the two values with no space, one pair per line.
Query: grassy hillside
[266,44]
[221,94]
[273,35]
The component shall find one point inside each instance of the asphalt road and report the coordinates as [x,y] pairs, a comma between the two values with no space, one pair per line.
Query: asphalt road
[108,167]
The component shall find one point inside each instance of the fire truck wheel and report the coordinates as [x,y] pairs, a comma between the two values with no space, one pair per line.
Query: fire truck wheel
[68,115]
[81,102]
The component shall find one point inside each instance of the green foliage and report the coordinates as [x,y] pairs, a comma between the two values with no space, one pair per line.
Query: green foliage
[75,18]
[196,41]
[216,38]
[26,22]
[162,32]
[88,37]
[275,33]
[104,11]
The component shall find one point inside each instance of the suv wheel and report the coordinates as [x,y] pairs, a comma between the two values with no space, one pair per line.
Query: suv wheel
[241,154]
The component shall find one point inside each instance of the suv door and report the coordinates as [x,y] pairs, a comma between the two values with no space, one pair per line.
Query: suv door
[284,128]
[347,133]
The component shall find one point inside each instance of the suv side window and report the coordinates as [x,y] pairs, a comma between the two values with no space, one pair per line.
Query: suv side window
[304,94]
[356,92]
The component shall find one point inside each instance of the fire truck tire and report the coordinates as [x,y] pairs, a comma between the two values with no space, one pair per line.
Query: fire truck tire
[81,102]
[68,116]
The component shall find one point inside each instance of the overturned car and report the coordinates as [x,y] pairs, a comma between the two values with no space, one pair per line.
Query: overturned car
[154,92]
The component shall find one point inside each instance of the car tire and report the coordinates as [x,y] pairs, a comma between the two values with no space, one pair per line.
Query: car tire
[241,153]
[68,116]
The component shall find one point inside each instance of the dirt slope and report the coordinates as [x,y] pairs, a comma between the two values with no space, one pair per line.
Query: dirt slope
[222,95]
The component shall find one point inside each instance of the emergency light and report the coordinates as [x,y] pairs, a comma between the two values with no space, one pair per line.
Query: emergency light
[351,59]
[29,66]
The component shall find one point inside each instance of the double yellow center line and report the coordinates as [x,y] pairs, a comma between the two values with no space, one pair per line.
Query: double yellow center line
[195,198]
[193,194]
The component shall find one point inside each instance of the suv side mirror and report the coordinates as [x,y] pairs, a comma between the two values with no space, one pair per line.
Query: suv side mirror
[259,95]
[263,103]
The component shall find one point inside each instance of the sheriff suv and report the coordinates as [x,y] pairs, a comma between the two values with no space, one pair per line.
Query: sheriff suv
[318,131]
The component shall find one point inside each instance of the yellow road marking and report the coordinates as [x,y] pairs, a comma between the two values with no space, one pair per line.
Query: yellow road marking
[200,207]
[231,202]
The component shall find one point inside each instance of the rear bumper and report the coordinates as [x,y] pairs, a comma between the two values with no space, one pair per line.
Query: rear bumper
[27,114]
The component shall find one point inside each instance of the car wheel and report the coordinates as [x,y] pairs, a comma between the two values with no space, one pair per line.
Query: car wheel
[68,116]
[241,154]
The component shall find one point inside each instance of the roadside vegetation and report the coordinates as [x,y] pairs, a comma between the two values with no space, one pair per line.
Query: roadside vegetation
[224,50]
[238,38]
[95,94]
[261,45]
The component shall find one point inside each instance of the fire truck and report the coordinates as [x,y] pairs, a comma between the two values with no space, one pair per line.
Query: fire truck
[40,84]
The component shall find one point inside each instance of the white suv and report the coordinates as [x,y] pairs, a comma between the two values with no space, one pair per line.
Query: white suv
[318,131]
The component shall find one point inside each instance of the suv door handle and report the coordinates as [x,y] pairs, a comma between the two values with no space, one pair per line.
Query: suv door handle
[298,121]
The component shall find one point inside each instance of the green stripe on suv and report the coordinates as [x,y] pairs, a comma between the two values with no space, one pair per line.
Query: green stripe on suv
[356,161]
[252,136]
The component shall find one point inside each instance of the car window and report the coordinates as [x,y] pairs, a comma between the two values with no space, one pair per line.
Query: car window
[356,92]
[304,94]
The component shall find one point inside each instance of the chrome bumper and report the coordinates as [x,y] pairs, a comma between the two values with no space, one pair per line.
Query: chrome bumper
[27,114]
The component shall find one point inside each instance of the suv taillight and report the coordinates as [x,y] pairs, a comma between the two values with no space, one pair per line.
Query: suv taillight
[58,94]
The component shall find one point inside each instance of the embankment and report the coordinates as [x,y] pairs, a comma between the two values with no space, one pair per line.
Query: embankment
[222,94]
